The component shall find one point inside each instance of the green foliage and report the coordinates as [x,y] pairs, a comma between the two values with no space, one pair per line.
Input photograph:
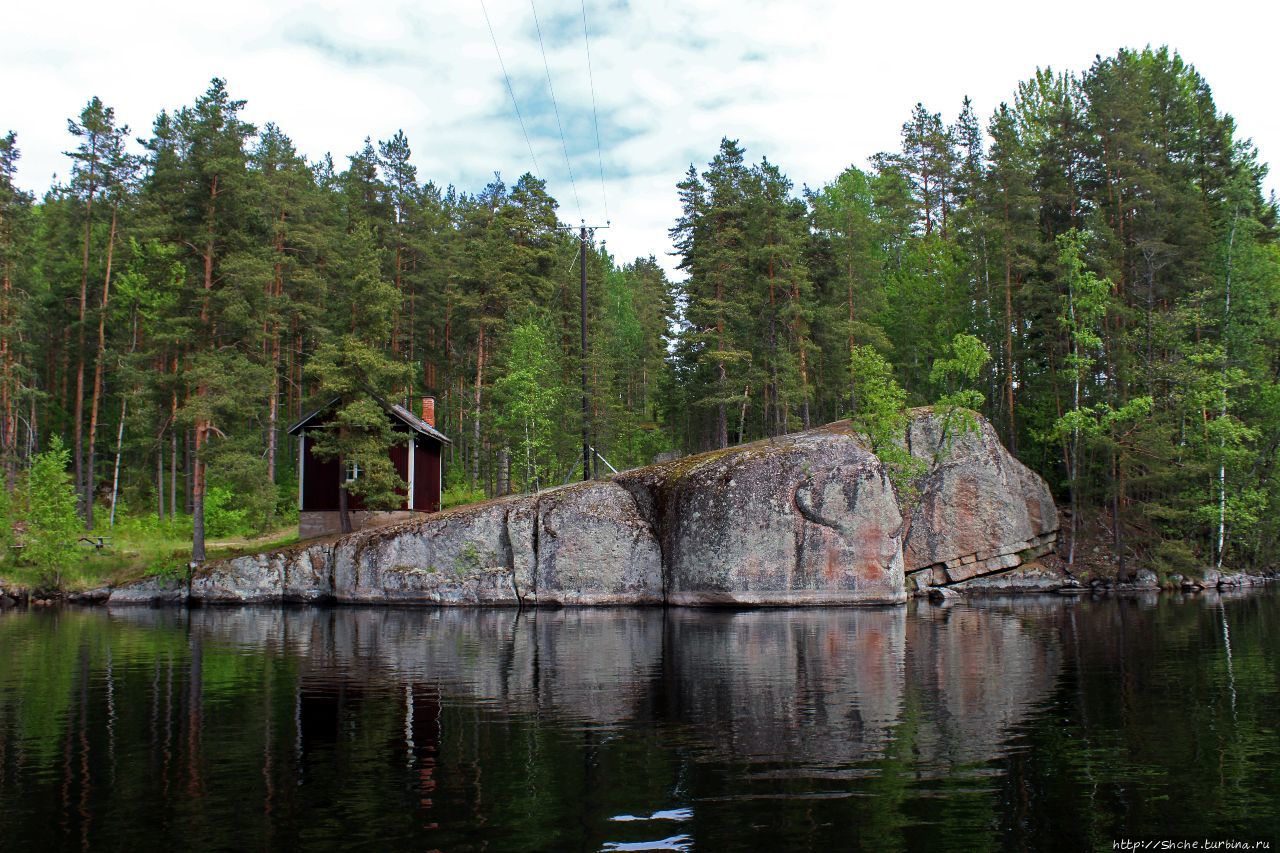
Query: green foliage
[353,369]
[1172,556]
[460,495]
[458,490]
[7,518]
[880,416]
[879,413]
[239,475]
[224,514]
[52,523]
[529,394]
[963,362]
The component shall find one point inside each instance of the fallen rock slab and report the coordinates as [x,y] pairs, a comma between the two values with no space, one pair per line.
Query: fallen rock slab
[594,547]
[1027,577]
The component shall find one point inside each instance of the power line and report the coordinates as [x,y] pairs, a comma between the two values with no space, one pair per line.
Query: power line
[563,144]
[514,102]
[595,115]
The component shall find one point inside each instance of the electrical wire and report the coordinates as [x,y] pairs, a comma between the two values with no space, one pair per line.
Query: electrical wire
[511,90]
[563,144]
[595,115]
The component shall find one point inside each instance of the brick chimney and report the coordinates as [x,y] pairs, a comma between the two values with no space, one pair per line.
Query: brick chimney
[429,411]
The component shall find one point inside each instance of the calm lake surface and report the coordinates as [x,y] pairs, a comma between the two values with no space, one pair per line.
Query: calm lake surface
[1030,724]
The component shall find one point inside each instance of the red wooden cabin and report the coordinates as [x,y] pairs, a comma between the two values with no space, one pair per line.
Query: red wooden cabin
[417,462]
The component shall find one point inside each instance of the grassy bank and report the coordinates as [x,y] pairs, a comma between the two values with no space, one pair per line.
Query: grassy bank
[135,550]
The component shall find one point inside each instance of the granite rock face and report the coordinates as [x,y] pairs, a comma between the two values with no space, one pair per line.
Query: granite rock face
[594,547]
[582,544]
[150,591]
[980,511]
[809,518]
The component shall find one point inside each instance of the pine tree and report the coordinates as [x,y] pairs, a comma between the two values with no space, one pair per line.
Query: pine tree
[352,368]
[15,214]
[204,188]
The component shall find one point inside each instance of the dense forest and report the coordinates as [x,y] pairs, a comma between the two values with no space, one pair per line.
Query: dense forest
[1098,261]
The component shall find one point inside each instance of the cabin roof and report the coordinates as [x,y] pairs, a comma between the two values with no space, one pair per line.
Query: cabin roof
[395,410]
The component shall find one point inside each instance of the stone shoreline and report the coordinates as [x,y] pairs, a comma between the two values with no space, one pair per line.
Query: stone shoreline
[806,519]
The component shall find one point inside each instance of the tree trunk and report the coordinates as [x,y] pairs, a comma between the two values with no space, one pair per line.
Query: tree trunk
[77,428]
[115,471]
[853,391]
[272,343]
[97,376]
[202,422]
[1222,449]
[344,500]
[1117,477]
[173,472]
[124,409]
[197,494]
[8,386]
[722,414]
[160,480]
[504,470]
[1012,439]
[475,422]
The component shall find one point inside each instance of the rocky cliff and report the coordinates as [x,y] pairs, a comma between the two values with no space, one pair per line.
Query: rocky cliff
[809,518]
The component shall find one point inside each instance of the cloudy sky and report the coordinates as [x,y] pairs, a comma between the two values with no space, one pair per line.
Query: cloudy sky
[815,86]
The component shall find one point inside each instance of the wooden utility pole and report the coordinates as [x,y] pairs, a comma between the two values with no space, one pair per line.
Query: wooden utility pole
[586,402]
[586,415]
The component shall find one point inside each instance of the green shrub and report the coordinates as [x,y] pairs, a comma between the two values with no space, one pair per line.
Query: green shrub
[286,511]
[6,522]
[459,495]
[53,525]
[225,514]
[241,472]
[1175,556]
[457,487]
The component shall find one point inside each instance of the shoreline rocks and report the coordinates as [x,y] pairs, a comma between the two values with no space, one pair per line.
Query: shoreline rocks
[805,519]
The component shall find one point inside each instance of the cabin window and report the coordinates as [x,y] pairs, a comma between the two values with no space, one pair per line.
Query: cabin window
[353,471]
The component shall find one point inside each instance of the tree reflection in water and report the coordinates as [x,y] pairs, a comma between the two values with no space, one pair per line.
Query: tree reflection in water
[1030,722]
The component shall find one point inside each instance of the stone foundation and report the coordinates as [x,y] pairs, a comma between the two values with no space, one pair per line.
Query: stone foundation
[312,524]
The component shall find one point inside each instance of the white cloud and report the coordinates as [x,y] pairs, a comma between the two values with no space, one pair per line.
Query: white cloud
[815,86]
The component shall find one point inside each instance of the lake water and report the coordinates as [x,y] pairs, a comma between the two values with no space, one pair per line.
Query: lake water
[1025,724]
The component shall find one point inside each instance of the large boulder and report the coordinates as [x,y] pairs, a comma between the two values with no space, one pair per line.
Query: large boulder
[978,509]
[809,518]
[464,556]
[593,547]
[581,544]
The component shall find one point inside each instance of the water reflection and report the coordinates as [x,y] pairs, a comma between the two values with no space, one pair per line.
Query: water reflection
[823,686]
[603,729]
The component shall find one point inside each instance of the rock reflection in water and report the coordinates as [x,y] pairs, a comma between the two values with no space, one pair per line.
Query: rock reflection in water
[816,686]
[979,671]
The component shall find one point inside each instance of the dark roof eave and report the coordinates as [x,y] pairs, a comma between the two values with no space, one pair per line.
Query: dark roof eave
[399,412]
